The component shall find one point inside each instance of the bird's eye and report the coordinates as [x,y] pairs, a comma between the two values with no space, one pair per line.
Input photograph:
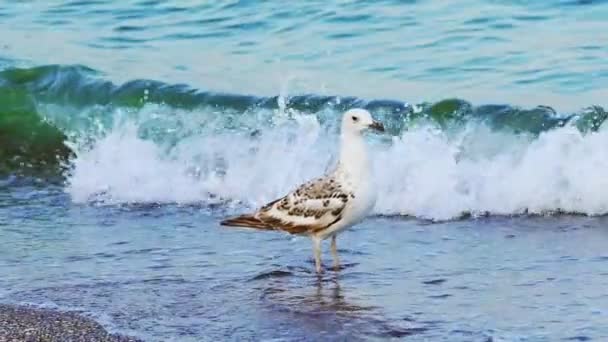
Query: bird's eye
[355,119]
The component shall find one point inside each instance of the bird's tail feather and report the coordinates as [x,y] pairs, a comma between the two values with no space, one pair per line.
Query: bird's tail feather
[248,221]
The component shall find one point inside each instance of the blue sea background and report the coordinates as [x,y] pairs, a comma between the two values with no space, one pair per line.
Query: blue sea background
[128,129]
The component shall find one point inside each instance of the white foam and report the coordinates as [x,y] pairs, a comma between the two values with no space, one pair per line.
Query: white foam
[121,167]
[483,172]
[424,173]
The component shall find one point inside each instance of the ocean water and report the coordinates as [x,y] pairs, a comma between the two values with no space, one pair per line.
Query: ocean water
[129,129]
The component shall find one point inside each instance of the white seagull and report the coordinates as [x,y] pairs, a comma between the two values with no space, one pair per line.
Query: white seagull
[325,206]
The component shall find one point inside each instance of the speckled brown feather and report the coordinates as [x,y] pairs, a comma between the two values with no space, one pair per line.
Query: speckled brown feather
[311,208]
[248,221]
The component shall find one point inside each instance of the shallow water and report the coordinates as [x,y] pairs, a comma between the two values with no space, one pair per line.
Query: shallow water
[167,272]
[129,129]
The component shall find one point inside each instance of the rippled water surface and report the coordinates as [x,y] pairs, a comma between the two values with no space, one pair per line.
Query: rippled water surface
[548,52]
[171,273]
[129,129]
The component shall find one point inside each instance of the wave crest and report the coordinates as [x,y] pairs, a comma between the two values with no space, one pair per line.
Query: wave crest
[425,172]
[146,141]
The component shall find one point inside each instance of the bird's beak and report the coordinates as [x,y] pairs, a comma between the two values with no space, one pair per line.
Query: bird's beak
[377,126]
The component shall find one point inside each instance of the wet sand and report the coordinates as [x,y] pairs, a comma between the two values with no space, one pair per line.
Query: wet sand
[25,323]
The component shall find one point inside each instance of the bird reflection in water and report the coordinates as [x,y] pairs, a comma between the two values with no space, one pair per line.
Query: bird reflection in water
[321,305]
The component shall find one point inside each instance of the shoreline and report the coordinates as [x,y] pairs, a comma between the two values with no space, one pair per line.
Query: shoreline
[29,323]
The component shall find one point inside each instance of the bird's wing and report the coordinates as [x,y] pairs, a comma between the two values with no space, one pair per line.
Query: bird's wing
[312,207]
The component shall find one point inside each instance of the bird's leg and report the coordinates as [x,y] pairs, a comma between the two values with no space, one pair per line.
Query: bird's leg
[316,242]
[334,253]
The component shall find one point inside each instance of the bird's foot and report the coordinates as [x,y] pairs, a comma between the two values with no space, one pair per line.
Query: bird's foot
[337,266]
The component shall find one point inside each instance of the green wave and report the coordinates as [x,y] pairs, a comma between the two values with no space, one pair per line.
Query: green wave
[28,144]
[33,138]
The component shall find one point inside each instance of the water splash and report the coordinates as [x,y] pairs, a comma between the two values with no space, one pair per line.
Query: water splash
[249,167]
[481,172]
[425,172]
[145,141]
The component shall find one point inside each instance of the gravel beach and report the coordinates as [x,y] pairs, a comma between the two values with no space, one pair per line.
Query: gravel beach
[25,323]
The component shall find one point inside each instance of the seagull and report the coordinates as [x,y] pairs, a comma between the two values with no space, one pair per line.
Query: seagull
[325,206]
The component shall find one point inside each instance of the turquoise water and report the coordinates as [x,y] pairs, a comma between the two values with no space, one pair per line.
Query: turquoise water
[551,52]
[129,129]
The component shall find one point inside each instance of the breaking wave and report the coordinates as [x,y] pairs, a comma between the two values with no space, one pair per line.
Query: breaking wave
[145,141]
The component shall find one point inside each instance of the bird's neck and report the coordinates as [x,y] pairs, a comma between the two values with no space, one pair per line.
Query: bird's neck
[354,160]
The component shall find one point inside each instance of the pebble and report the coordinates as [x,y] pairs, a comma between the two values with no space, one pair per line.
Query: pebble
[30,324]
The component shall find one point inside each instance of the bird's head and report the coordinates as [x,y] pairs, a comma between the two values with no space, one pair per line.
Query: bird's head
[358,120]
